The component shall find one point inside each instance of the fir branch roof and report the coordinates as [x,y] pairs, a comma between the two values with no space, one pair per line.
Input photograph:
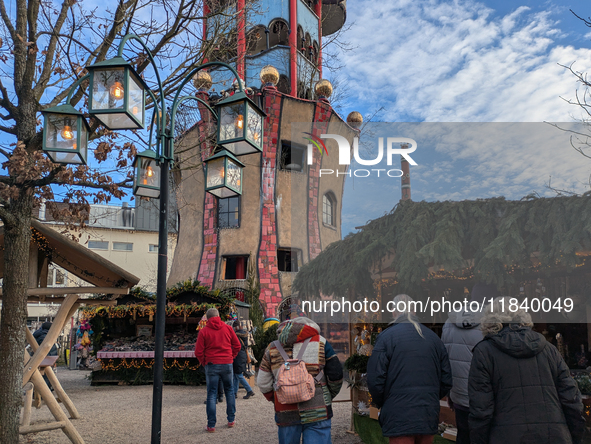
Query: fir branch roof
[488,235]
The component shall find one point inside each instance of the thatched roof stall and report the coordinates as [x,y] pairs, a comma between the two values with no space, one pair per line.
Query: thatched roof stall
[492,240]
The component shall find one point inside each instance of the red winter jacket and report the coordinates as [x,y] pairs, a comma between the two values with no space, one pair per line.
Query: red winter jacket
[216,343]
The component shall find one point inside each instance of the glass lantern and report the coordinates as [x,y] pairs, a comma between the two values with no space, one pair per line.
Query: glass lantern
[147,175]
[223,175]
[65,135]
[240,125]
[117,95]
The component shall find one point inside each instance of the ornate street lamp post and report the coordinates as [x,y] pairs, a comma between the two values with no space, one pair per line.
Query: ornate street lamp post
[117,100]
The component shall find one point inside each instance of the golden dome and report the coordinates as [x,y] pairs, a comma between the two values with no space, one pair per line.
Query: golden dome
[202,81]
[269,75]
[323,88]
[355,119]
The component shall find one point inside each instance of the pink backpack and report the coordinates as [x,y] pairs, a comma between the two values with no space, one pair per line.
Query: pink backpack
[294,383]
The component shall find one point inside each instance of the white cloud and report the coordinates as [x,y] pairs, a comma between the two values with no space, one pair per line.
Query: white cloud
[456,61]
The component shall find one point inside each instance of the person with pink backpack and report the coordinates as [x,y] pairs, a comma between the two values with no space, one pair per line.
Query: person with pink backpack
[301,374]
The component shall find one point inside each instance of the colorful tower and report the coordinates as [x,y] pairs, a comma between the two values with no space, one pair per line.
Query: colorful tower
[288,212]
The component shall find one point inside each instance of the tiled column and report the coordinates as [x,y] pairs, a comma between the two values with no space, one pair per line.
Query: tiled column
[321,118]
[206,273]
[267,262]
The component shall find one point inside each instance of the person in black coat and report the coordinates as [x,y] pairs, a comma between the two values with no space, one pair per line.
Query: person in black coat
[407,374]
[520,388]
[239,364]
[40,334]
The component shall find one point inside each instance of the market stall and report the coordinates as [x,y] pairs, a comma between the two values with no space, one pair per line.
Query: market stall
[124,334]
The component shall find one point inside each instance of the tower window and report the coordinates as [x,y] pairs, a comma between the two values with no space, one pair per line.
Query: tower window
[328,209]
[256,40]
[292,157]
[234,267]
[279,33]
[283,85]
[229,212]
[287,259]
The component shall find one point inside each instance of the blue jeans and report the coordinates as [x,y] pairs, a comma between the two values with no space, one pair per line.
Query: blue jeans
[213,374]
[312,433]
[241,379]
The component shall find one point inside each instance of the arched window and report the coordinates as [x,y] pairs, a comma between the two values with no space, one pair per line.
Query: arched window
[315,53]
[278,33]
[283,85]
[256,40]
[300,39]
[307,45]
[329,204]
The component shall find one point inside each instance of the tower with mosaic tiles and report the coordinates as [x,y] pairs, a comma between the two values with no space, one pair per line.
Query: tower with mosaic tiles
[287,212]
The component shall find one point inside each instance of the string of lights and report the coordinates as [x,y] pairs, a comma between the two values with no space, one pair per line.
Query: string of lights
[111,365]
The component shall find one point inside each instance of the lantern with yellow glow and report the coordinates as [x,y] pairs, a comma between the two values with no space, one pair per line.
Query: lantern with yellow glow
[65,135]
[240,125]
[117,94]
[147,175]
[223,175]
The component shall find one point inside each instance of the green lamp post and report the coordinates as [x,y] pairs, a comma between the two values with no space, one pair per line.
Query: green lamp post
[223,175]
[117,94]
[117,100]
[65,135]
[147,175]
[240,124]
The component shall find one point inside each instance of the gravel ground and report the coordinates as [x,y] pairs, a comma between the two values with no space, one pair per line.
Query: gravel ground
[122,414]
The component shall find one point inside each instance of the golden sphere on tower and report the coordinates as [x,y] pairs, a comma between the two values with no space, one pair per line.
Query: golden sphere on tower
[269,75]
[323,88]
[355,119]
[202,81]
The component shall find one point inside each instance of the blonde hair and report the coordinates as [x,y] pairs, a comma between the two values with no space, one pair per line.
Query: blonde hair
[498,314]
[406,299]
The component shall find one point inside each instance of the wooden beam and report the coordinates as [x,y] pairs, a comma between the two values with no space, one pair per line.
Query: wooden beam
[56,328]
[61,394]
[55,409]
[74,290]
[60,300]
[42,427]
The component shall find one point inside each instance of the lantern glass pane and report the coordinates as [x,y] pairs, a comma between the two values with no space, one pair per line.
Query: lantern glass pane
[83,141]
[224,192]
[108,89]
[215,173]
[233,175]
[135,104]
[108,94]
[61,132]
[73,158]
[255,124]
[232,122]
[149,174]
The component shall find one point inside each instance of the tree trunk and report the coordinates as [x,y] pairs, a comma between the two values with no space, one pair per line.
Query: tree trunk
[13,320]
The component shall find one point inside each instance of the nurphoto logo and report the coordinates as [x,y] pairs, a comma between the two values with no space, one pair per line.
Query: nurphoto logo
[402,146]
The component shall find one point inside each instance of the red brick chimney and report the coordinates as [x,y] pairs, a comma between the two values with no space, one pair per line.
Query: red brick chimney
[405,179]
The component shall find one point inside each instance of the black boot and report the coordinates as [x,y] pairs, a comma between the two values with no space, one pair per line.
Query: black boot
[248,395]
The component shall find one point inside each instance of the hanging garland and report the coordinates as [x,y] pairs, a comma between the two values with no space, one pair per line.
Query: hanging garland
[149,308]
[122,311]
[488,239]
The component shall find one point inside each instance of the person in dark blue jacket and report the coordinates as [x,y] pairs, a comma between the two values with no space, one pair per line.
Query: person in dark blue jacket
[407,374]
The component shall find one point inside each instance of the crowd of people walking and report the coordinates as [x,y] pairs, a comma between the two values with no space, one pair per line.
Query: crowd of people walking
[504,381]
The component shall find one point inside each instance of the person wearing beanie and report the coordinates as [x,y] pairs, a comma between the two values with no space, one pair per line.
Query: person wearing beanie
[461,333]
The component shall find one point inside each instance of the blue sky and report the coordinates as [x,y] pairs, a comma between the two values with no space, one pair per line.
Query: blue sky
[468,61]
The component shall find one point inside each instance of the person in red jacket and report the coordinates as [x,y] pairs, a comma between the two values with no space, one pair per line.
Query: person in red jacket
[217,346]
